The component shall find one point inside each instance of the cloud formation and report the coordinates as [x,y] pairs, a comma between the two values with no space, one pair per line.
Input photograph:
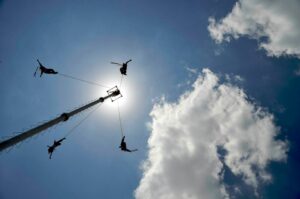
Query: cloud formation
[183,160]
[275,23]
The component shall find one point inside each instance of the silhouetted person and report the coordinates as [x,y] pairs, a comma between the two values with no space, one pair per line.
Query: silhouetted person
[54,145]
[123,69]
[43,69]
[123,146]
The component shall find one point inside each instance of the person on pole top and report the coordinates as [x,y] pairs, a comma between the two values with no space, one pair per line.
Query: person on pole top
[123,68]
[123,146]
[53,147]
[43,69]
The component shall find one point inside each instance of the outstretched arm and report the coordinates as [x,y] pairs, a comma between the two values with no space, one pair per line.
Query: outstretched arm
[35,71]
[39,62]
[61,140]
[116,63]
[128,61]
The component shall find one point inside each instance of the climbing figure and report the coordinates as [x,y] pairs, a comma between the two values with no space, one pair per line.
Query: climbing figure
[43,69]
[123,68]
[123,146]
[55,144]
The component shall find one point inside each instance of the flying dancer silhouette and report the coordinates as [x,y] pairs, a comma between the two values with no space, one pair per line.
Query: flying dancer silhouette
[123,146]
[53,146]
[123,68]
[43,69]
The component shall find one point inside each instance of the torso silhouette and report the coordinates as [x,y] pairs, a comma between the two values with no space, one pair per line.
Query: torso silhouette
[123,146]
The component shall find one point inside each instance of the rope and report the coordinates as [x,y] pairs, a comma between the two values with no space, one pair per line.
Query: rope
[80,122]
[121,81]
[120,121]
[82,80]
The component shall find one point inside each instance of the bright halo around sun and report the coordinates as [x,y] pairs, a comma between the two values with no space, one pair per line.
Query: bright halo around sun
[125,100]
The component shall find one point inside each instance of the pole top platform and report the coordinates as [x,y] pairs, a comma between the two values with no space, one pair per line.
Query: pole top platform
[114,93]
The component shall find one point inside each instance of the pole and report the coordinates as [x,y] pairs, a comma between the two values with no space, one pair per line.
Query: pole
[62,118]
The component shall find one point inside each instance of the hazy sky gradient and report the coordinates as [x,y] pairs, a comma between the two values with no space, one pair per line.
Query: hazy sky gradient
[80,38]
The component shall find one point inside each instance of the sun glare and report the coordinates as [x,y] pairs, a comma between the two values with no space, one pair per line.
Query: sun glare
[127,84]
[125,102]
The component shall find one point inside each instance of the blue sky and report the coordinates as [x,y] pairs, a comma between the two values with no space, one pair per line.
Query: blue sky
[80,38]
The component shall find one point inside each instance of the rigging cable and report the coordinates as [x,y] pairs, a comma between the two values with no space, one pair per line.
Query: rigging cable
[119,113]
[121,81]
[81,121]
[82,80]
[120,121]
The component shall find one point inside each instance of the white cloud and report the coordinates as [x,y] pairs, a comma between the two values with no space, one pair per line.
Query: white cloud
[276,20]
[183,161]
[191,70]
[235,78]
[239,78]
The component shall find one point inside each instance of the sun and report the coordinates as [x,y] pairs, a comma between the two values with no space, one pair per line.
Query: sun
[124,101]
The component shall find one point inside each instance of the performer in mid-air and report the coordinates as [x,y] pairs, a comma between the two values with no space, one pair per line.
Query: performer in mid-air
[123,146]
[53,146]
[43,69]
[123,68]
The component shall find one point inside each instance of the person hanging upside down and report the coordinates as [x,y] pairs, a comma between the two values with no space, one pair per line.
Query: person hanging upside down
[53,147]
[123,146]
[43,69]
[123,69]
